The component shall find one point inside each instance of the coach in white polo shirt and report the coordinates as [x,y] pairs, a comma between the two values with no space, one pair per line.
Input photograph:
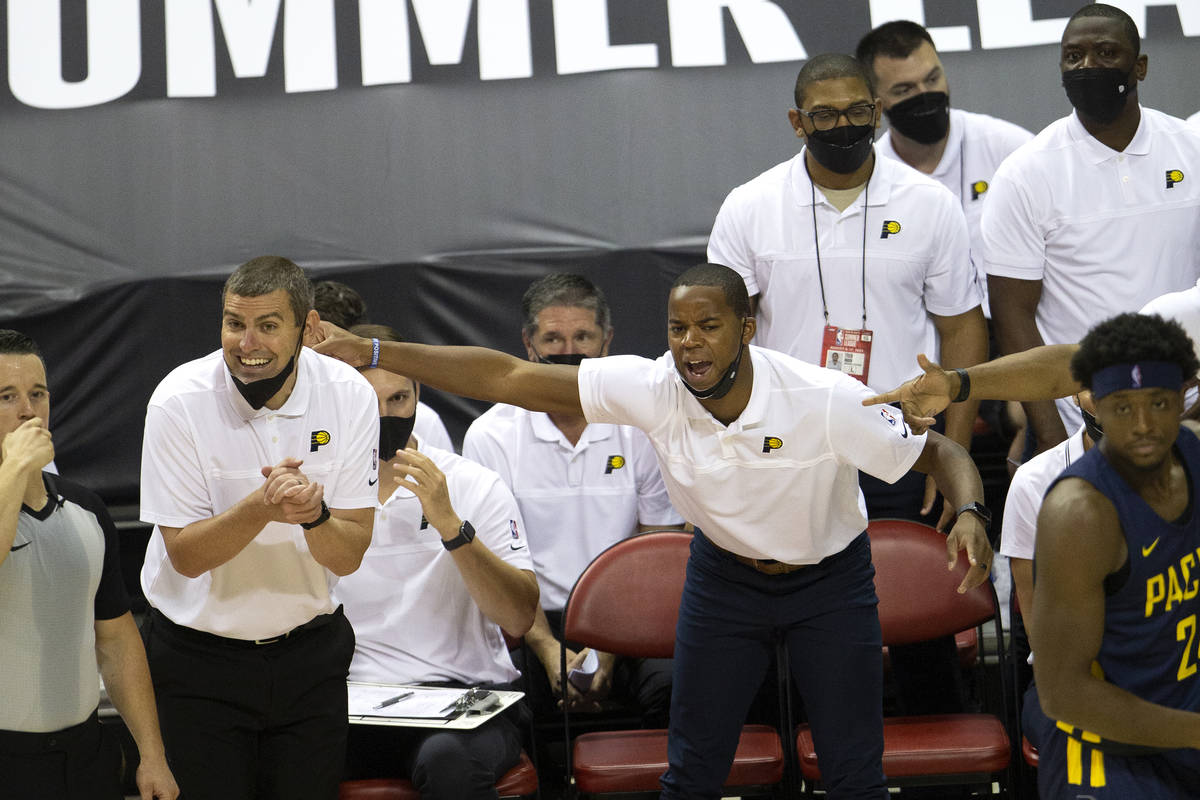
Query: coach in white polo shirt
[959,149]
[581,487]
[1099,213]
[446,570]
[762,452]
[258,473]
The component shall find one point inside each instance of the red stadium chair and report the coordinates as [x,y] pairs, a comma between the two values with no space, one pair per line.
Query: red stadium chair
[627,602]
[520,781]
[918,600]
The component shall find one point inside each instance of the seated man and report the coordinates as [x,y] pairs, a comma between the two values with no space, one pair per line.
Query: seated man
[63,611]
[581,487]
[431,597]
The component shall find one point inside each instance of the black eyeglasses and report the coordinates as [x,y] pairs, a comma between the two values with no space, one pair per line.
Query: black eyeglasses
[827,118]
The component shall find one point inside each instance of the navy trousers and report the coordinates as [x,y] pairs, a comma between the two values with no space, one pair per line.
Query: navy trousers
[730,619]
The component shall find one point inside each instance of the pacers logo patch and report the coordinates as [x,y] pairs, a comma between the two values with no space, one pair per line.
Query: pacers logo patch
[614,462]
[890,227]
[1174,176]
[317,440]
[771,443]
[978,188]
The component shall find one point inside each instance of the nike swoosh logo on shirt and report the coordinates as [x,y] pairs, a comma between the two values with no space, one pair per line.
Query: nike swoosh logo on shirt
[1149,548]
[17,547]
[372,482]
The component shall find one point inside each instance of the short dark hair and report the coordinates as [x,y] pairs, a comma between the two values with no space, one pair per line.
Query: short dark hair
[896,39]
[267,274]
[383,333]
[338,303]
[1130,338]
[15,343]
[1128,26]
[829,66]
[719,277]
[563,289]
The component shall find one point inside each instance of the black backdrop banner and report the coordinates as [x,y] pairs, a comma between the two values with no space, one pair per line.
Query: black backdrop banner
[436,154]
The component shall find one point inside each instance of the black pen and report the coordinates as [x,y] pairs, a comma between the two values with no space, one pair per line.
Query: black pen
[391,701]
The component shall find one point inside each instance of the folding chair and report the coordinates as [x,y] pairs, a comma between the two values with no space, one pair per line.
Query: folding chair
[627,602]
[918,600]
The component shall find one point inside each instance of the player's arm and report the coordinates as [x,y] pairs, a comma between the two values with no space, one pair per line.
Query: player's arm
[956,475]
[468,371]
[1014,304]
[964,341]
[1043,373]
[122,662]
[25,451]
[1068,602]
[339,543]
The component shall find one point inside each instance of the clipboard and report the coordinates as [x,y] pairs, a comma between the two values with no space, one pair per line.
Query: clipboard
[424,706]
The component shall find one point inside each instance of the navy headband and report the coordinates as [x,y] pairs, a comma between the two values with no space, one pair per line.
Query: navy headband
[1144,375]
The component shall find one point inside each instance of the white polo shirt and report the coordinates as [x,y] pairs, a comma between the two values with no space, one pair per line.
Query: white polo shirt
[781,481]
[576,499]
[428,426]
[1194,119]
[1104,231]
[414,620]
[1183,307]
[1027,490]
[764,230]
[975,146]
[202,452]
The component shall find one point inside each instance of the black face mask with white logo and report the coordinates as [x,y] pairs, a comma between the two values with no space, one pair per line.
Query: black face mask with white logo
[1098,93]
[924,118]
[843,149]
[394,433]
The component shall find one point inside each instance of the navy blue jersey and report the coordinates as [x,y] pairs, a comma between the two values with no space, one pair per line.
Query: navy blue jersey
[1151,644]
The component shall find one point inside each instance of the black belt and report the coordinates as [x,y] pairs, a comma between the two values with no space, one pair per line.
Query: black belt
[204,637]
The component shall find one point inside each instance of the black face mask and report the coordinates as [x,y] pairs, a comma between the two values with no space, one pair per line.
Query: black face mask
[843,149]
[257,393]
[1098,93]
[721,387]
[570,359]
[394,433]
[924,118]
[1093,427]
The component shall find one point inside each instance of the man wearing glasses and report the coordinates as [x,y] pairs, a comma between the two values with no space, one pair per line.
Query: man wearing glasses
[847,253]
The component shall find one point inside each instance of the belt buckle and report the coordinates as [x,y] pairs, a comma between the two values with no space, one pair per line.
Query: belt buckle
[273,639]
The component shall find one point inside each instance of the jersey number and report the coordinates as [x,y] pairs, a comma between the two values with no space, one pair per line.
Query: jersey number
[1186,629]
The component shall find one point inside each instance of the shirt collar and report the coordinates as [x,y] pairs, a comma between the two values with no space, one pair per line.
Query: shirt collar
[803,190]
[1097,152]
[753,414]
[545,430]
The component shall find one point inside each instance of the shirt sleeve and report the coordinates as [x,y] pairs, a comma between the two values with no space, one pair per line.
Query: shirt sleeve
[728,244]
[482,447]
[950,286]
[351,486]
[112,598]
[1014,242]
[173,491]
[624,390]
[1021,507]
[497,521]
[874,439]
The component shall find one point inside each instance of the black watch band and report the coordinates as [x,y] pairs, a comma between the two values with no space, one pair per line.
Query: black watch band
[324,515]
[964,385]
[980,510]
[466,534]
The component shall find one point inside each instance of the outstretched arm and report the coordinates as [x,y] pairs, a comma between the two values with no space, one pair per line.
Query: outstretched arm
[468,371]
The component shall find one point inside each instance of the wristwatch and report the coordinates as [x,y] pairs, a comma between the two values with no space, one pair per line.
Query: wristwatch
[466,534]
[980,510]
[324,515]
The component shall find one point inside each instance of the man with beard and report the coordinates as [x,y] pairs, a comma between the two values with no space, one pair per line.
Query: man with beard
[761,451]
[446,570]
[258,473]
[959,149]
[1098,214]
[844,251]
